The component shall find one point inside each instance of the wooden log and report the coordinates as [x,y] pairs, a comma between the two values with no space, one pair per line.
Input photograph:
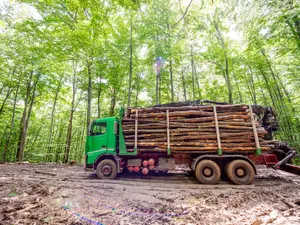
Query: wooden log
[203,149]
[184,131]
[204,119]
[235,140]
[186,114]
[172,114]
[184,148]
[130,122]
[163,144]
[241,107]
[153,120]
[195,135]
[192,128]
[190,125]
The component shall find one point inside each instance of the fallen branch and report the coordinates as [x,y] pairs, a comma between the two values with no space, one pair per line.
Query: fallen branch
[46,173]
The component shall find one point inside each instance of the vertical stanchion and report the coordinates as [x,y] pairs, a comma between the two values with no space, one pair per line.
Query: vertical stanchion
[217,131]
[135,130]
[258,149]
[168,133]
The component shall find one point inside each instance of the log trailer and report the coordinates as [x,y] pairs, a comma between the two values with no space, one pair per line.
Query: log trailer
[213,140]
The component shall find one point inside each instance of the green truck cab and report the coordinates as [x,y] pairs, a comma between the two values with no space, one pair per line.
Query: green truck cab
[105,147]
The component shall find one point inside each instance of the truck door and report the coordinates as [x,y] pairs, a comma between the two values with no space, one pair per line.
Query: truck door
[98,137]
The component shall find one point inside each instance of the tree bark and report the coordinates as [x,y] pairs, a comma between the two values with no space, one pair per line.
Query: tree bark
[252,86]
[130,66]
[193,74]
[52,118]
[5,99]
[226,72]
[26,116]
[157,88]
[112,102]
[183,84]
[171,79]
[10,90]
[137,89]
[12,124]
[89,100]
[70,124]
[238,87]
[99,98]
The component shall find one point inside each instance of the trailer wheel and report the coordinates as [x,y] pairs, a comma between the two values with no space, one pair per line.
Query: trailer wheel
[208,172]
[240,172]
[106,169]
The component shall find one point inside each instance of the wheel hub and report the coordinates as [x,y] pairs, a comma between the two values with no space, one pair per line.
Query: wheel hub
[106,170]
[240,172]
[207,172]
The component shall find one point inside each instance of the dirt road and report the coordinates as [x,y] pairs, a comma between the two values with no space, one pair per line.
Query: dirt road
[60,194]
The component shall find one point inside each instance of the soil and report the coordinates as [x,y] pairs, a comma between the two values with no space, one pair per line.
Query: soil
[65,194]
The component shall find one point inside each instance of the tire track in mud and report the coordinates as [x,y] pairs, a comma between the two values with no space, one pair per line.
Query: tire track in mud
[272,193]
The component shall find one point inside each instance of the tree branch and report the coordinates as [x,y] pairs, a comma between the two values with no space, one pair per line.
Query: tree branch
[184,14]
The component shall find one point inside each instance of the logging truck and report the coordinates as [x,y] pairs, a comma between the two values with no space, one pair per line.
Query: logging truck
[215,140]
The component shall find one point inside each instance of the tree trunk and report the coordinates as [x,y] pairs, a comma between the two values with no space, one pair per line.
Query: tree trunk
[183,85]
[52,118]
[89,100]
[193,74]
[227,77]
[157,91]
[252,86]
[26,116]
[130,66]
[273,75]
[137,89]
[21,141]
[8,137]
[238,87]
[99,98]
[70,124]
[59,140]
[171,79]
[5,99]
[82,138]
[271,93]
[112,102]
[228,81]
[10,90]
[262,91]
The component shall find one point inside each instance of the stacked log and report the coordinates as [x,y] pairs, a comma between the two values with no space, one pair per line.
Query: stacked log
[192,128]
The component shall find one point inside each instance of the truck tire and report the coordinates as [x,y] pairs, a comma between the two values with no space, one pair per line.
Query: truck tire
[208,172]
[106,169]
[240,172]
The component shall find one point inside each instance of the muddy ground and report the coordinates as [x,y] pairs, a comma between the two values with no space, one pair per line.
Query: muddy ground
[64,194]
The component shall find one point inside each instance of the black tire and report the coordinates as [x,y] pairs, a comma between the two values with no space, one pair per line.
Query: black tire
[240,172]
[208,172]
[106,169]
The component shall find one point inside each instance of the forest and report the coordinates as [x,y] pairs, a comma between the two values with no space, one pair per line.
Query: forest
[64,63]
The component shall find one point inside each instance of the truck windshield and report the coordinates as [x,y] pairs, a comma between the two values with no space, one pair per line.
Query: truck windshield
[98,128]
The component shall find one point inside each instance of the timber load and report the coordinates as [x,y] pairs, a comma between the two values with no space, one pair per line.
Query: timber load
[194,128]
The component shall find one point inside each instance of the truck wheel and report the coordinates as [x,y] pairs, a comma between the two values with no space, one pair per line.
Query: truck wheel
[106,169]
[240,172]
[208,172]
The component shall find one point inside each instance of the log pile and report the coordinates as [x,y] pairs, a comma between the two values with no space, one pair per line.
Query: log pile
[192,128]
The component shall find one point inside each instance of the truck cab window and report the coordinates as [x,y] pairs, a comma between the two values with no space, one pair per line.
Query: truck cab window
[98,128]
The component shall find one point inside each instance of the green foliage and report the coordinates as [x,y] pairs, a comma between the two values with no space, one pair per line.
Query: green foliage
[239,51]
